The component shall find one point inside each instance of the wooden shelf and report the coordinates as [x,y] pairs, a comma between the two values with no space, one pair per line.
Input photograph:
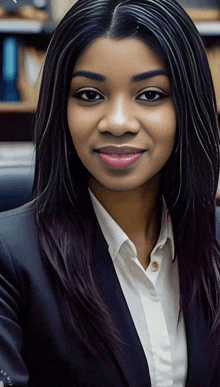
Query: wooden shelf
[16,107]
[23,26]
[208,28]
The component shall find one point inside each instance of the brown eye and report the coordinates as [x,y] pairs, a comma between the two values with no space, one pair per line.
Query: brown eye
[151,96]
[88,95]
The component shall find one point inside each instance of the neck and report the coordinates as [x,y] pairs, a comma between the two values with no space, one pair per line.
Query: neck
[137,212]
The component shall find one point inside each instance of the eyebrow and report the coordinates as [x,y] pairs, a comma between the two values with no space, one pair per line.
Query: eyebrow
[90,75]
[148,74]
[135,78]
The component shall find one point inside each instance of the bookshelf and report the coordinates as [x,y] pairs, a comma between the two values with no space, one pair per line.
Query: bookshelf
[36,34]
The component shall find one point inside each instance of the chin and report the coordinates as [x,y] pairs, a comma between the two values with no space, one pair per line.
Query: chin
[127,185]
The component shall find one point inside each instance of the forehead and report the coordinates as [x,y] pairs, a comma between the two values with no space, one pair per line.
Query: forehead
[128,55]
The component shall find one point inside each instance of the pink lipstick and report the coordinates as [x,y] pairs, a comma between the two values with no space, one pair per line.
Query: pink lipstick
[119,157]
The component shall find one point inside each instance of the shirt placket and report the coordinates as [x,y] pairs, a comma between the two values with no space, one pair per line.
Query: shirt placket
[156,324]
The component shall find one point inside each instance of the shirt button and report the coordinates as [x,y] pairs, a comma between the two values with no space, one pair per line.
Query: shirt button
[154,266]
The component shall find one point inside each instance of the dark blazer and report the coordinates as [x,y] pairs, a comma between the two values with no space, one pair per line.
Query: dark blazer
[35,346]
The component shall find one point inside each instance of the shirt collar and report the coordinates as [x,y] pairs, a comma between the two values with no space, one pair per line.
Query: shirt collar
[115,236]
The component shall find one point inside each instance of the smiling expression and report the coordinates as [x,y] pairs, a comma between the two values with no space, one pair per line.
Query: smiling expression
[121,113]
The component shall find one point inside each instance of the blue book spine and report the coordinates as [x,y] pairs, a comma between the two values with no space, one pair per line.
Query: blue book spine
[10,69]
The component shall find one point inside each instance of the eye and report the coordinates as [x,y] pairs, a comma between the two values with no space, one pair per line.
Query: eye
[88,95]
[151,96]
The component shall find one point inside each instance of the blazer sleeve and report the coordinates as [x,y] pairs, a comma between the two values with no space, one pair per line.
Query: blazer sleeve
[12,368]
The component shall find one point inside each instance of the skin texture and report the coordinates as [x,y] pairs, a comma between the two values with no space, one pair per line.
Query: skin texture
[122,111]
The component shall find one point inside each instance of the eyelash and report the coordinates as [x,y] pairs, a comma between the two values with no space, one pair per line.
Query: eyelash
[155,92]
[79,95]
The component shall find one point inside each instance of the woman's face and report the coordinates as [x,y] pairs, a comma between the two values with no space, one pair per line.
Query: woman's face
[121,113]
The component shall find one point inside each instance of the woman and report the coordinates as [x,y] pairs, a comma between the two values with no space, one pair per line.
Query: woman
[124,191]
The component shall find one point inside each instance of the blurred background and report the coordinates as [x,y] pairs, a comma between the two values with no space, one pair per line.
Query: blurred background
[26,27]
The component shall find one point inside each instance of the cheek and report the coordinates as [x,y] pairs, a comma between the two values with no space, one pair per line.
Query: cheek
[163,126]
[77,125]
[81,123]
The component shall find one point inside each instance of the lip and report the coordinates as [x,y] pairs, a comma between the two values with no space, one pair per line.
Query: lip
[119,162]
[116,150]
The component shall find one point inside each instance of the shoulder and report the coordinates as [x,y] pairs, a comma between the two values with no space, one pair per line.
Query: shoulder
[18,220]
[17,212]
[19,236]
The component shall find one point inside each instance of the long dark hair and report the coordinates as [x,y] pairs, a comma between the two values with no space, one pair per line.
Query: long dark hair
[189,180]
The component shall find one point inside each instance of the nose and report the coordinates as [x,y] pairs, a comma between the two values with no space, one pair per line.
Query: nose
[119,118]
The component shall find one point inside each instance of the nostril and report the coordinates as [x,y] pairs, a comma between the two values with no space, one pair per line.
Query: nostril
[119,127]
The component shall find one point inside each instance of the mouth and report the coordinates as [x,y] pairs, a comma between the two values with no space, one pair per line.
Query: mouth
[119,157]
[117,151]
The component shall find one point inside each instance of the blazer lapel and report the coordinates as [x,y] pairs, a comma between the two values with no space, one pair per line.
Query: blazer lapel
[131,359]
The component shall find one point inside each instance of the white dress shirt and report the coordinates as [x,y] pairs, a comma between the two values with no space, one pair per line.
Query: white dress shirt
[152,297]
